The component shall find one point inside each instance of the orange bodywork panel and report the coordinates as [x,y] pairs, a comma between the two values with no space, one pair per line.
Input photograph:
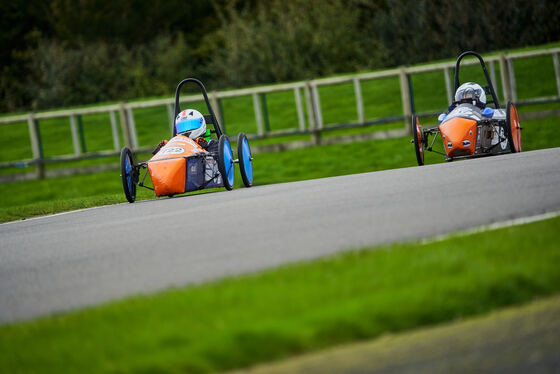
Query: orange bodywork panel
[179,146]
[168,167]
[459,136]
[168,176]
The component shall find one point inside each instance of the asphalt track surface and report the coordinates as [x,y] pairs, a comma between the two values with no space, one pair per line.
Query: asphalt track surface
[86,257]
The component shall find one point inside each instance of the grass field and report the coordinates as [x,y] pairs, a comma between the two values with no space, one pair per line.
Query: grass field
[490,343]
[26,199]
[534,76]
[273,314]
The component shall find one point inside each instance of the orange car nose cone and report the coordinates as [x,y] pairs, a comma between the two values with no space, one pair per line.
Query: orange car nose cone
[460,136]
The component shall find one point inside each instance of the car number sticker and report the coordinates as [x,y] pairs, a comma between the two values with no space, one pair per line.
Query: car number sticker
[172,151]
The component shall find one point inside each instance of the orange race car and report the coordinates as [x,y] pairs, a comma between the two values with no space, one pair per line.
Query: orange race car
[471,128]
[191,160]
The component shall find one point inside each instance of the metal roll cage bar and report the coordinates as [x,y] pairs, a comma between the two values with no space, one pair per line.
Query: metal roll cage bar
[490,86]
[210,119]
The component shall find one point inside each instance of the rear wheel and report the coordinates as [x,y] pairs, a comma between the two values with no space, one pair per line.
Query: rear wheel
[513,128]
[129,174]
[417,140]
[245,160]
[225,162]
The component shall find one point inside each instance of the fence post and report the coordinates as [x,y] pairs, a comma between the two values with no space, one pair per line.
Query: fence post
[448,86]
[315,134]
[258,115]
[36,146]
[493,77]
[75,136]
[217,109]
[125,126]
[301,117]
[504,74]
[222,116]
[81,132]
[317,106]
[556,71]
[115,130]
[171,115]
[359,100]
[265,112]
[512,85]
[132,128]
[405,97]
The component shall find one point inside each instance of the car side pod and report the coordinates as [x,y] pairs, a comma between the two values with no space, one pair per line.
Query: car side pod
[168,176]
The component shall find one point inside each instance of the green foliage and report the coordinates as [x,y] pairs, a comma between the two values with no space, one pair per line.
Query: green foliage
[240,321]
[97,71]
[414,31]
[288,40]
[65,52]
[129,21]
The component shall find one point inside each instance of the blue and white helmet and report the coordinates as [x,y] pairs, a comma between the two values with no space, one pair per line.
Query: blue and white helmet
[191,123]
[471,93]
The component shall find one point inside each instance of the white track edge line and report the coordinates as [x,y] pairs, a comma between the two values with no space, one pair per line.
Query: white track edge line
[491,227]
[58,214]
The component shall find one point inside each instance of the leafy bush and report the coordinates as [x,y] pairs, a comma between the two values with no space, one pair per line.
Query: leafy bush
[101,71]
[288,40]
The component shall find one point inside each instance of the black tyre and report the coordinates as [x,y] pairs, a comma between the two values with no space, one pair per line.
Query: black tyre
[417,140]
[245,160]
[513,128]
[129,174]
[225,162]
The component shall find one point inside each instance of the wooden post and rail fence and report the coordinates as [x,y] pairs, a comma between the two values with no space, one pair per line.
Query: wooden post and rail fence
[123,113]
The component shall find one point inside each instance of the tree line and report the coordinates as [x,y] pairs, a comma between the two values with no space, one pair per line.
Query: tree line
[63,52]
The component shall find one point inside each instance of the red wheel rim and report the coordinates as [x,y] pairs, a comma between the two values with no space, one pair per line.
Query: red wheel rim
[419,138]
[515,128]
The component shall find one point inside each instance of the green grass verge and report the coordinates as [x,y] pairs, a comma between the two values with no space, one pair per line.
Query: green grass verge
[32,198]
[273,314]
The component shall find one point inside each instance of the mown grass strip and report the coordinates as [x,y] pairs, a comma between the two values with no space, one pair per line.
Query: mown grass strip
[240,321]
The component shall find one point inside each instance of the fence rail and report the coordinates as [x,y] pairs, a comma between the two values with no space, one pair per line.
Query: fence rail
[123,113]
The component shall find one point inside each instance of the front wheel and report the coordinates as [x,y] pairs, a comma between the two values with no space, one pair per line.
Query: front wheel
[417,140]
[245,160]
[129,174]
[225,162]
[513,128]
